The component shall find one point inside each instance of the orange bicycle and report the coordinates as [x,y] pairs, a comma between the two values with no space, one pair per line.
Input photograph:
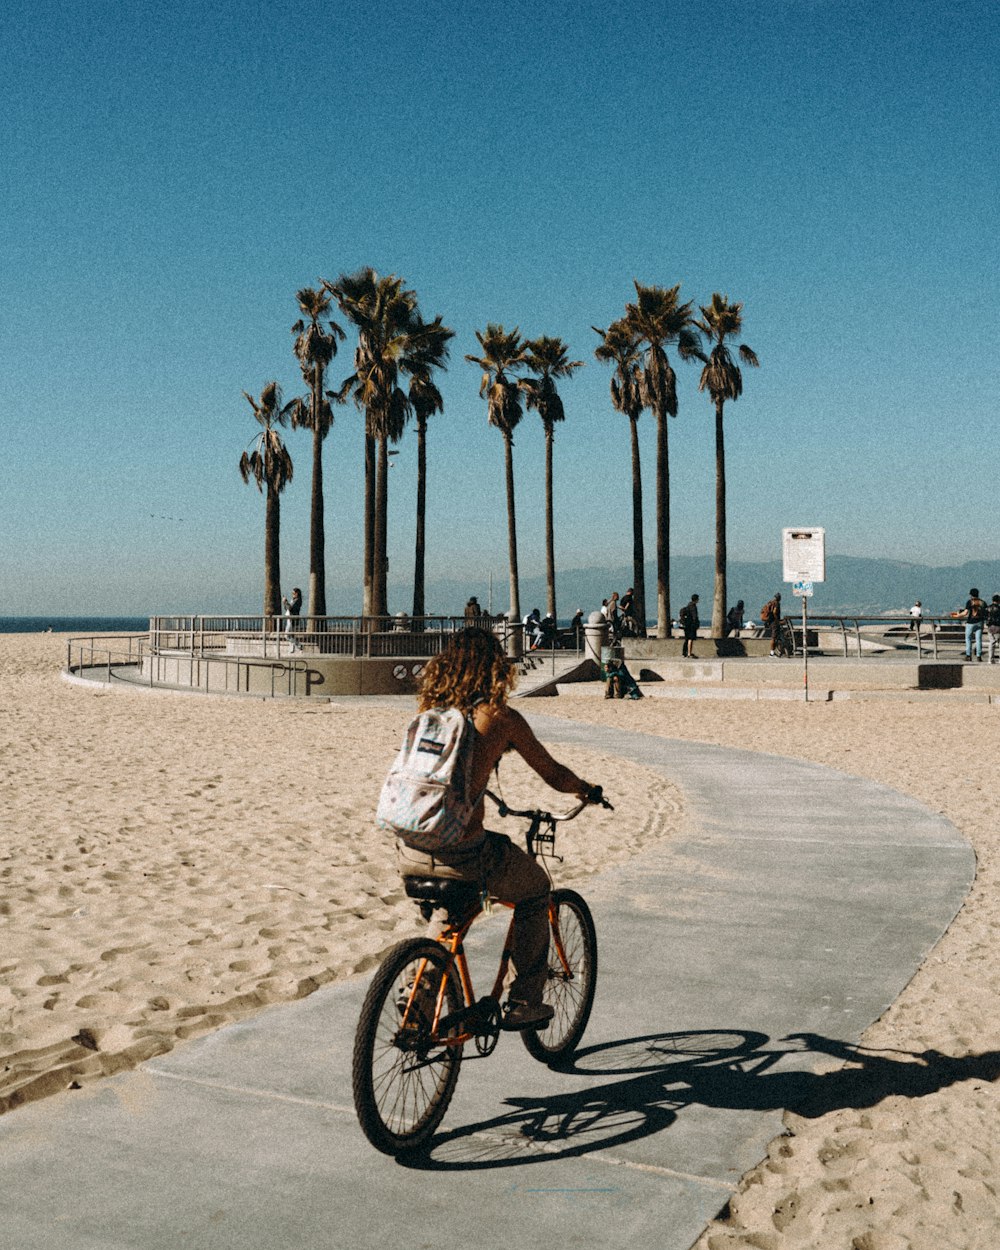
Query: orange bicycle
[421,1010]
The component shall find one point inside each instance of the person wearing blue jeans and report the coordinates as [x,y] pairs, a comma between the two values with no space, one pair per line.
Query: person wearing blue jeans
[975,615]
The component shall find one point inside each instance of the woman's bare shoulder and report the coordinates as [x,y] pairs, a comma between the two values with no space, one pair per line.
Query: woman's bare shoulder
[502,724]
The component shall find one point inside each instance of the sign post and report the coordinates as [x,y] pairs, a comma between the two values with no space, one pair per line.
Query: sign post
[804,559]
[804,591]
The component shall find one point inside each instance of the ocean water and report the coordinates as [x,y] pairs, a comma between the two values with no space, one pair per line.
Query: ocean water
[74,624]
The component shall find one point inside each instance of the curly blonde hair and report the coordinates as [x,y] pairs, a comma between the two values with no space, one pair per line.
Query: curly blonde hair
[471,668]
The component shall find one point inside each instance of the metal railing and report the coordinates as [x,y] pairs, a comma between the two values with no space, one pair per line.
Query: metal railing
[352,637]
[130,660]
[931,636]
[105,651]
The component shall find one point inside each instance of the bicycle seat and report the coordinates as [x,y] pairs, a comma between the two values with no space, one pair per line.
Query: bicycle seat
[442,891]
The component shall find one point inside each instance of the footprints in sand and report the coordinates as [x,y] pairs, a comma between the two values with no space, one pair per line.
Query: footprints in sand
[865,1183]
[117,952]
[156,895]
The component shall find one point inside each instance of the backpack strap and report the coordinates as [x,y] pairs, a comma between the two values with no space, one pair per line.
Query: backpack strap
[478,700]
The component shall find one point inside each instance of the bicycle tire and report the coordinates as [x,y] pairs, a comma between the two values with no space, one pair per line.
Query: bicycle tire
[402,1081]
[572,999]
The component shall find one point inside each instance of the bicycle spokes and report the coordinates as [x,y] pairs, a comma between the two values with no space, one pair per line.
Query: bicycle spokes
[403,1073]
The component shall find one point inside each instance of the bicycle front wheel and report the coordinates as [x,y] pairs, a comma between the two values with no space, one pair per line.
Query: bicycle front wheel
[570,981]
[403,1075]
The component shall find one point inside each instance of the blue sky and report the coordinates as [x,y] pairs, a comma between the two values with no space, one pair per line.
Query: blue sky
[173,173]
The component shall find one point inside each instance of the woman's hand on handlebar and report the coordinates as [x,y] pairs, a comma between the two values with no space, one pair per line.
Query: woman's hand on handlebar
[595,795]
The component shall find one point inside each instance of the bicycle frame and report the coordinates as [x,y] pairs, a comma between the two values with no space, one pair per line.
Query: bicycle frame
[453,939]
[454,934]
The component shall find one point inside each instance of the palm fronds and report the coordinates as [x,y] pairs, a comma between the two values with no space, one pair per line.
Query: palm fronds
[269,463]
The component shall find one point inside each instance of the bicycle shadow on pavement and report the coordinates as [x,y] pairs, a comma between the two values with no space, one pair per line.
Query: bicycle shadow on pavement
[661,1074]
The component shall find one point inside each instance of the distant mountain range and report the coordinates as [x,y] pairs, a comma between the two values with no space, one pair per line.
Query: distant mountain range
[854,586]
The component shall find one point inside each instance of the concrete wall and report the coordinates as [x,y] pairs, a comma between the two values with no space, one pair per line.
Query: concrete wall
[323,677]
[317,676]
[831,672]
[637,649]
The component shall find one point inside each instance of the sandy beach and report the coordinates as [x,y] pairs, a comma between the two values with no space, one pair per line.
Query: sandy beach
[172,863]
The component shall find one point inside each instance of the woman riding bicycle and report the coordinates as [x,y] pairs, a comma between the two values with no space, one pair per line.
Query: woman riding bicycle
[472,673]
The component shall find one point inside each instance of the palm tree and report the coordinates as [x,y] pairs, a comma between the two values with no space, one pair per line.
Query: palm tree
[722,378]
[656,319]
[393,342]
[619,346]
[425,399]
[547,359]
[385,315]
[502,353]
[270,466]
[315,347]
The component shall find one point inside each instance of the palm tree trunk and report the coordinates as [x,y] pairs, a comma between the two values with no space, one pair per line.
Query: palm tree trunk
[317,536]
[719,601]
[367,603]
[664,625]
[272,553]
[381,559]
[515,598]
[638,548]
[550,558]
[418,562]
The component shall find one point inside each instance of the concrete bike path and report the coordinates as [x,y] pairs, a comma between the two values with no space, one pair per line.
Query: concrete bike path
[738,963]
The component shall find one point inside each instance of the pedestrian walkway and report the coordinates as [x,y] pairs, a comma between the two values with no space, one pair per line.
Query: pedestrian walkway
[739,962]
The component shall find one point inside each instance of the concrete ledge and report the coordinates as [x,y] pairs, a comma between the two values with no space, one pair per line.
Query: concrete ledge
[713,648]
[895,673]
[746,694]
[678,670]
[917,696]
[299,676]
[983,676]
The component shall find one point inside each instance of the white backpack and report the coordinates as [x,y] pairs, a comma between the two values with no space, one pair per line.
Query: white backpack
[425,799]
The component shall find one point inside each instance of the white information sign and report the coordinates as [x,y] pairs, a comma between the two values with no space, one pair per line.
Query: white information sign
[802,589]
[803,552]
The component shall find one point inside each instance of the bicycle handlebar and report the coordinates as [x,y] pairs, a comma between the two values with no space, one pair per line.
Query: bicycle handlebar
[595,797]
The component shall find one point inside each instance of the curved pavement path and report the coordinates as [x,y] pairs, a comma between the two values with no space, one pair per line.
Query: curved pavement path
[739,962]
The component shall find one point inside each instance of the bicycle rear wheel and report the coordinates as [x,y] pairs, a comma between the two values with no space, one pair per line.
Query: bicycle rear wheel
[403,1079]
[569,988]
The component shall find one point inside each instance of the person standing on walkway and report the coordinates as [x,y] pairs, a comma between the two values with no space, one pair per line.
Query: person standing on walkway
[770,614]
[916,616]
[689,623]
[291,609]
[993,628]
[614,619]
[533,628]
[630,626]
[975,614]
